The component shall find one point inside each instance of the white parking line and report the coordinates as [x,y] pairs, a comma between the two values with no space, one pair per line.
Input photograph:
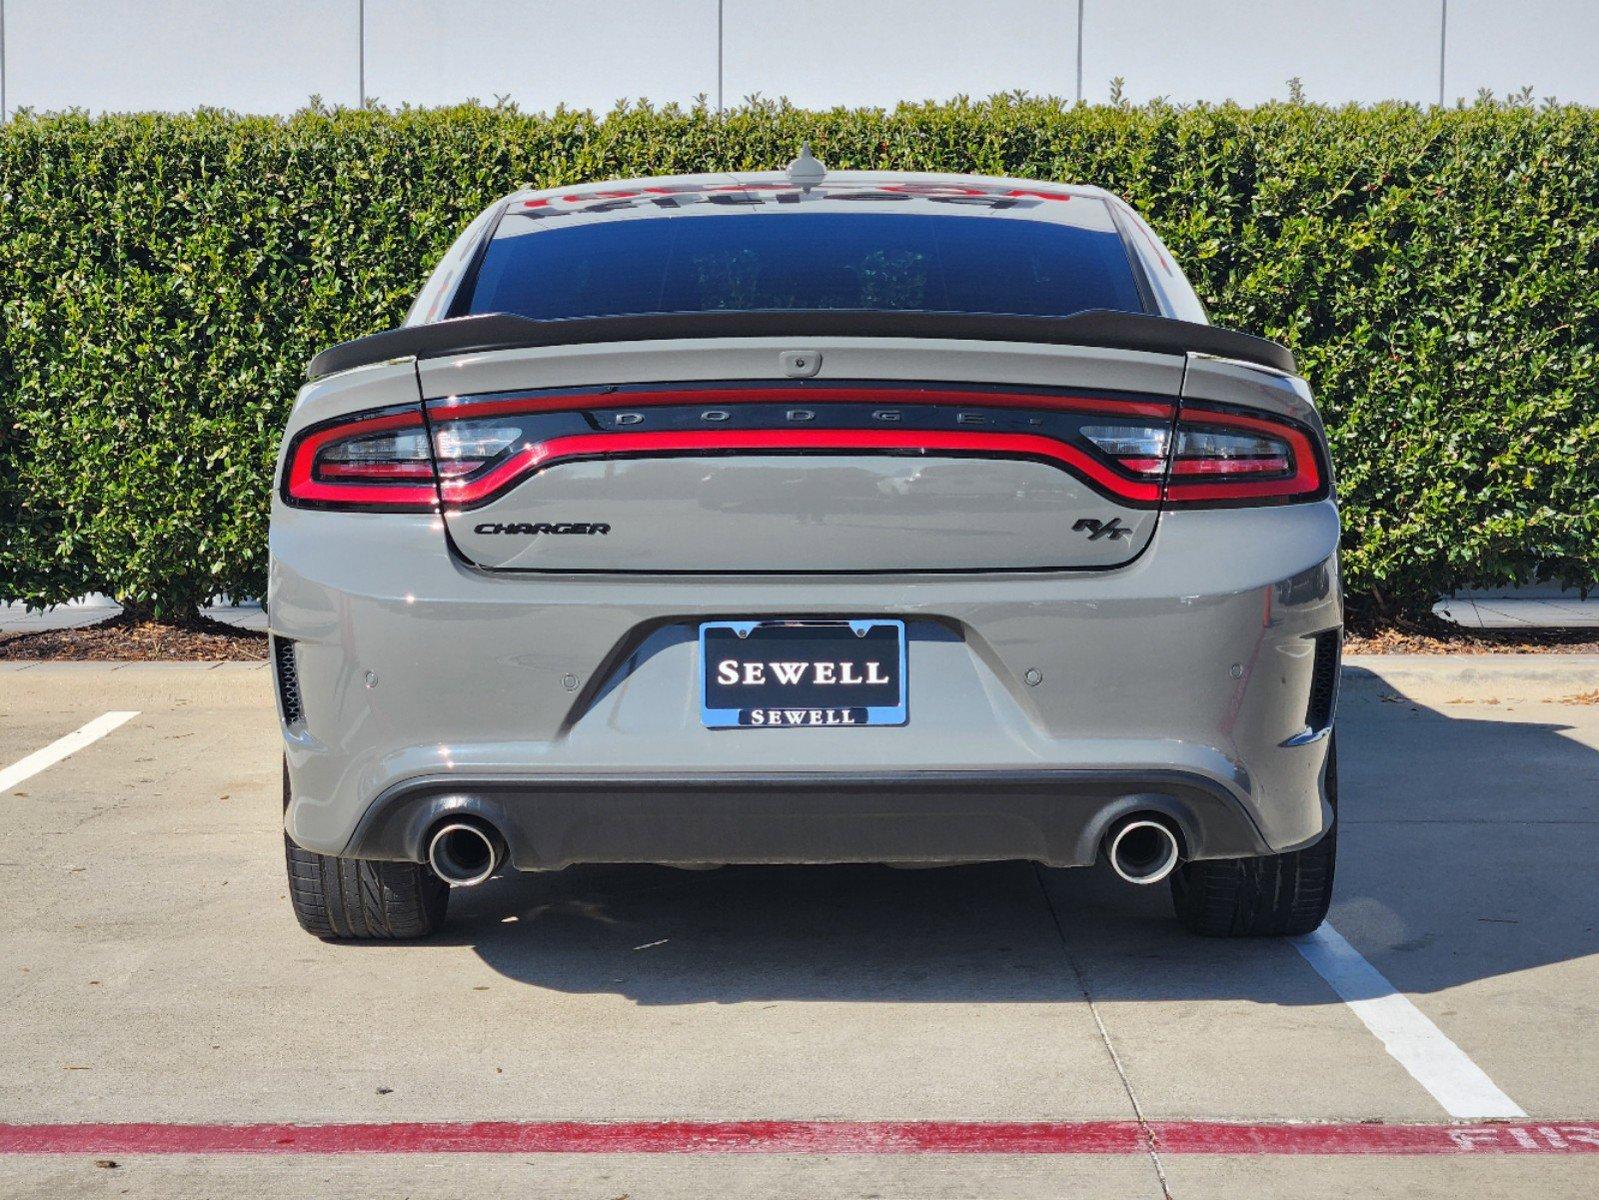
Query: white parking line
[1440,1066]
[96,729]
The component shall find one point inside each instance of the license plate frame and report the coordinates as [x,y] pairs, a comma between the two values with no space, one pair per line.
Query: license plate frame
[885,702]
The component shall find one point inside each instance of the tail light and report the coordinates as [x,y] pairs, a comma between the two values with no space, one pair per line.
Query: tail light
[1137,452]
[383,460]
[366,460]
[1218,457]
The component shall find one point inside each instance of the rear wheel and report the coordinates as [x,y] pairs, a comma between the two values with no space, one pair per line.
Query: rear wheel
[349,898]
[1272,895]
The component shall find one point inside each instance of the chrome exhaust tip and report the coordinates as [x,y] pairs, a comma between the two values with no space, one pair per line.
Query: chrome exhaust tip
[464,854]
[1143,850]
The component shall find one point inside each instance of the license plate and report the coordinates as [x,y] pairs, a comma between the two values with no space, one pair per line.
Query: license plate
[802,674]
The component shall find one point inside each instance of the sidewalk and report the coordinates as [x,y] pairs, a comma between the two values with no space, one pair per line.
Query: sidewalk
[15,618]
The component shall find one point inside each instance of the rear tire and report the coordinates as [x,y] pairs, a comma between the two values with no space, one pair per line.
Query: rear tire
[352,899]
[1274,895]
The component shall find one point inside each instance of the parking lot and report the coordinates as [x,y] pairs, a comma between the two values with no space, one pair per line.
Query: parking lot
[990,1031]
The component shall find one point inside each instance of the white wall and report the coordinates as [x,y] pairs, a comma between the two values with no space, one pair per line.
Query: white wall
[271,55]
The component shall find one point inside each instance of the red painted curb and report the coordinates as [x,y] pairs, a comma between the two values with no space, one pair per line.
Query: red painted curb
[803,1137]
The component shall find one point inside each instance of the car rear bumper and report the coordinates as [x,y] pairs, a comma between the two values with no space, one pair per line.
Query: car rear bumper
[1041,706]
[1058,818]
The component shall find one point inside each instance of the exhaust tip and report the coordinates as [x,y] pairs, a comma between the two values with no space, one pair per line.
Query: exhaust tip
[464,854]
[1143,850]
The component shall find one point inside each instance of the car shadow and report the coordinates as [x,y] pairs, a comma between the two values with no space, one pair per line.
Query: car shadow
[1467,851]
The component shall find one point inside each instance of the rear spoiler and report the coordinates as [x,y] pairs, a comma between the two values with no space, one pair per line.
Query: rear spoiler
[1097,327]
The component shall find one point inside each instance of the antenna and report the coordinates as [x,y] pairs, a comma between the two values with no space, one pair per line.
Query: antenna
[806,171]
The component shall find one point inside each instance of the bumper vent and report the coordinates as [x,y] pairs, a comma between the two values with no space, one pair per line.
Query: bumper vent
[288,678]
[1324,680]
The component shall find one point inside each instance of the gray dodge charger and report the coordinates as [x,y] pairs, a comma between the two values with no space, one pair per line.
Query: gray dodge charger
[806,517]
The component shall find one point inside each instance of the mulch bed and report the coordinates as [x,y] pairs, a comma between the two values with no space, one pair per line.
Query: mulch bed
[1440,637]
[128,639]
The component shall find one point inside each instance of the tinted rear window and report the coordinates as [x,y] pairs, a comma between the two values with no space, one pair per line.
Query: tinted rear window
[752,261]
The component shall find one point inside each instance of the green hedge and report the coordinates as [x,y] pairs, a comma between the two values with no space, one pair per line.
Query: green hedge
[163,280]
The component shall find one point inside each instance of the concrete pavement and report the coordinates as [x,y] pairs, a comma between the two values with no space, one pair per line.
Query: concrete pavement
[150,970]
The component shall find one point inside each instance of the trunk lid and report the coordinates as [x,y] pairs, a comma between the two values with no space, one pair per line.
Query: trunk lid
[752,455]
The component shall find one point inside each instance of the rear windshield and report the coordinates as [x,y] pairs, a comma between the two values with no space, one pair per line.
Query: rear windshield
[754,261]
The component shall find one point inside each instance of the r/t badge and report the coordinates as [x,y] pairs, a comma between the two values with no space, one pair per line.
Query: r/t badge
[1111,529]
